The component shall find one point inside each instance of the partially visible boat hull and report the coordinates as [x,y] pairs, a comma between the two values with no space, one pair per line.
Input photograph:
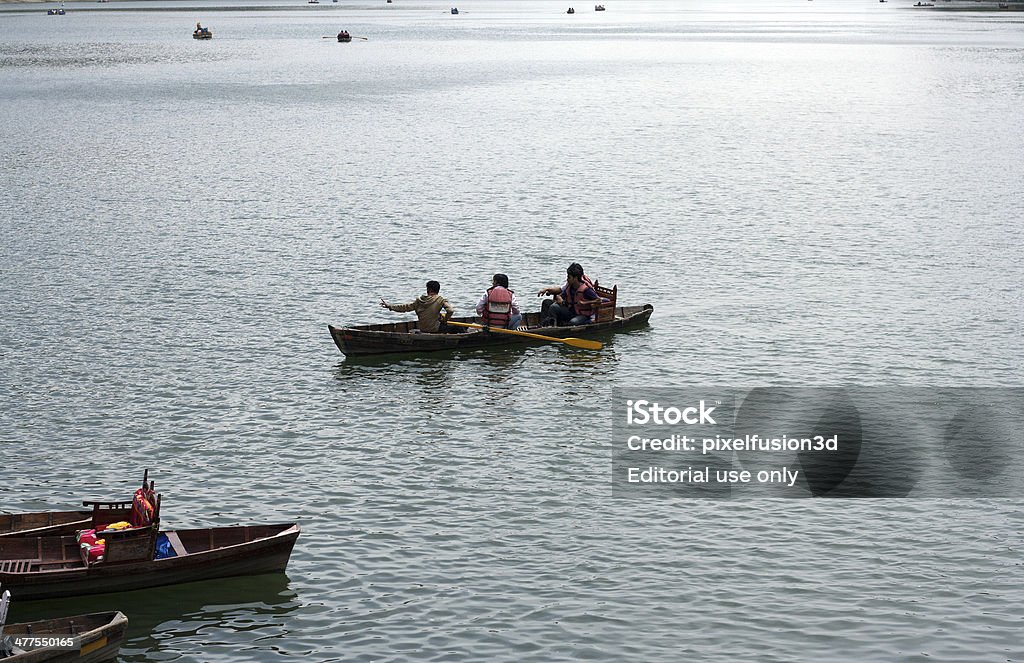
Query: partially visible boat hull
[402,337]
[100,633]
[47,523]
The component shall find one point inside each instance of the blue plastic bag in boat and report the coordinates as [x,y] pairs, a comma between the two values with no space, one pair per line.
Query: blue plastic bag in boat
[163,548]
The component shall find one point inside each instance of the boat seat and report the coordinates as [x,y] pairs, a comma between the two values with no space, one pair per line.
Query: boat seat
[176,544]
[58,563]
[17,565]
[606,309]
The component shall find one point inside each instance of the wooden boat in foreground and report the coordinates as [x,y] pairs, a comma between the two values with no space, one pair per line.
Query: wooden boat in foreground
[405,337]
[56,523]
[56,566]
[97,637]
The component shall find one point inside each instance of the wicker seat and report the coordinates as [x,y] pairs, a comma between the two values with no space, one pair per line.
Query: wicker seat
[606,309]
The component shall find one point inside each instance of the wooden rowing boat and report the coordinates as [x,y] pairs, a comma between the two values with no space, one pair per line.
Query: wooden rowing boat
[56,523]
[56,566]
[46,523]
[405,337]
[98,637]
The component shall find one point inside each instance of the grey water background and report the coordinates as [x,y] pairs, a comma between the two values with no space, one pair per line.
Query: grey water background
[810,193]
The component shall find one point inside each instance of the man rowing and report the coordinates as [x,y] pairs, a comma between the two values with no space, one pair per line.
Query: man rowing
[427,307]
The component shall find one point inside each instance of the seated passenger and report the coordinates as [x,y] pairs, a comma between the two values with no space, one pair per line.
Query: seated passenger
[498,307]
[574,302]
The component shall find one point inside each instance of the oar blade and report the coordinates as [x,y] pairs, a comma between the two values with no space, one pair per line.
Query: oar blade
[584,343]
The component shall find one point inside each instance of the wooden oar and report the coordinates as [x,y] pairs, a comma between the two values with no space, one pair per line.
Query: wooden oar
[575,342]
[335,37]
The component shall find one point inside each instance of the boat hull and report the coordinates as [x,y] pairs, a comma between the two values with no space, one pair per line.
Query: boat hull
[254,556]
[402,338]
[100,640]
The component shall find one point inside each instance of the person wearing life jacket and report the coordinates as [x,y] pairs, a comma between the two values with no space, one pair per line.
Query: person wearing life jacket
[428,308]
[574,302]
[498,307]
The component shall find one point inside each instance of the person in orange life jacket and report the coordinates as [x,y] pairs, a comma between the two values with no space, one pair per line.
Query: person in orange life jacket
[498,307]
[427,307]
[574,302]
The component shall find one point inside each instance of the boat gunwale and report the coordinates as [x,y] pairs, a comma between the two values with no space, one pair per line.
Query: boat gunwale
[402,338]
[635,312]
[291,531]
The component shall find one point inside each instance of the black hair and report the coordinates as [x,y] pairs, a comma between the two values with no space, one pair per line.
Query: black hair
[575,269]
[433,287]
[500,279]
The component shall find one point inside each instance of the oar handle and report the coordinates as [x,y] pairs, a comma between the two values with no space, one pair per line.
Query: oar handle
[575,342]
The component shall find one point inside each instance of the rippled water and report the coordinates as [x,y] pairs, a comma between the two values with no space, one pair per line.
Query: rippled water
[808,193]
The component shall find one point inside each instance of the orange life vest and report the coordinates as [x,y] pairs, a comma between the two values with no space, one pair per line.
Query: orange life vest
[498,309]
[142,510]
[573,297]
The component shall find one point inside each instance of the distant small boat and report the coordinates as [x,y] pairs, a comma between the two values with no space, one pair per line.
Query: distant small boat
[55,12]
[1003,5]
[599,8]
[571,11]
[313,2]
[924,4]
[455,10]
[344,37]
[202,33]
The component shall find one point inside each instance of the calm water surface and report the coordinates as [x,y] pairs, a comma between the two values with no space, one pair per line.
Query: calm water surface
[811,193]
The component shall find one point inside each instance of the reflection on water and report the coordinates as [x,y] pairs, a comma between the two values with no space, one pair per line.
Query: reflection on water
[214,619]
[96,54]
